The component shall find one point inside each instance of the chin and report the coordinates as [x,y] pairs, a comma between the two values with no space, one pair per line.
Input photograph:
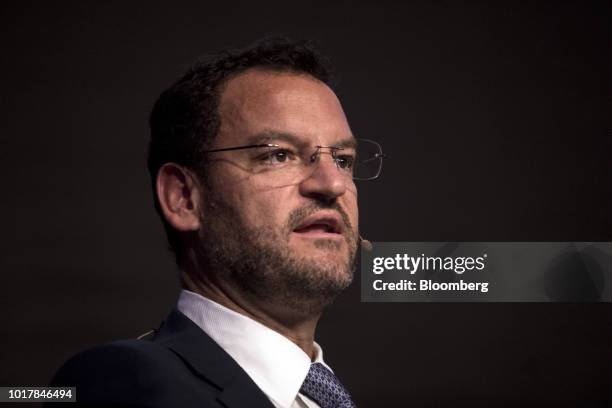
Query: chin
[326,255]
[331,241]
[321,247]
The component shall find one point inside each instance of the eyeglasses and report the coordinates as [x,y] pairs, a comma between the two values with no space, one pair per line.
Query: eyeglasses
[363,161]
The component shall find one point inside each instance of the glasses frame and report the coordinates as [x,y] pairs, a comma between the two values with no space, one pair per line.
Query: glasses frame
[380,155]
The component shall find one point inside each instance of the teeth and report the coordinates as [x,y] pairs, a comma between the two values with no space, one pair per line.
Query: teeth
[325,227]
[320,227]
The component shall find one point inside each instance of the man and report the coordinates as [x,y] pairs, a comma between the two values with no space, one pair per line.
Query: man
[253,166]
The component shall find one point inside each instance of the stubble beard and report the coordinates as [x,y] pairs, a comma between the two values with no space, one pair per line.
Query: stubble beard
[262,266]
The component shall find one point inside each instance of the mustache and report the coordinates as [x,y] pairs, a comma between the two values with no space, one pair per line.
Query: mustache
[297,216]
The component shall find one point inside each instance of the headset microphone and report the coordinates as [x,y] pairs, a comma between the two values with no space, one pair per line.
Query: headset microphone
[365,244]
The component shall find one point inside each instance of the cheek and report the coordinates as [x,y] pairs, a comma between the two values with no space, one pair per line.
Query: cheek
[352,208]
[251,201]
[264,209]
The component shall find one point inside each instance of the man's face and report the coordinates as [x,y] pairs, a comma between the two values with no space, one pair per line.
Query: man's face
[287,234]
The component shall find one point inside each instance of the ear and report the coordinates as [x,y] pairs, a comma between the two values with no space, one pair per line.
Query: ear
[179,195]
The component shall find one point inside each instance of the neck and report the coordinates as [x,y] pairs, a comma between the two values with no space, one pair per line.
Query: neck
[297,327]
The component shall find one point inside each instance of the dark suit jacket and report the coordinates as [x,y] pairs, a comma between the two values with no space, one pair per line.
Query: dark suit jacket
[181,366]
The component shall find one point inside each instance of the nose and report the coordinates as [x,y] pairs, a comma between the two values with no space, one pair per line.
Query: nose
[324,182]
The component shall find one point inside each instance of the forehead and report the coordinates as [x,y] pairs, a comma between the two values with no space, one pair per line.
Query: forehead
[257,102]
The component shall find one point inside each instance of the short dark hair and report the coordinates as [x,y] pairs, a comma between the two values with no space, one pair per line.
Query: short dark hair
[185,119]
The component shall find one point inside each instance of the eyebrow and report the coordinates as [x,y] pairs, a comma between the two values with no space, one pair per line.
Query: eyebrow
[271,136]
[349,142]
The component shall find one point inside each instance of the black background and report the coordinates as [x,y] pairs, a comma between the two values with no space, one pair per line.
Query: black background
[496,120]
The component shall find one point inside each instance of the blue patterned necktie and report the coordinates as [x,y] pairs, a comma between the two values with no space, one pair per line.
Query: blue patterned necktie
[324,388]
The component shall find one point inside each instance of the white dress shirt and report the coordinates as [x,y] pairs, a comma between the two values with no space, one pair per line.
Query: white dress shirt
[275,363]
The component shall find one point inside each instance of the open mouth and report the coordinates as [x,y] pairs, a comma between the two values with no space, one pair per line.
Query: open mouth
[321,225]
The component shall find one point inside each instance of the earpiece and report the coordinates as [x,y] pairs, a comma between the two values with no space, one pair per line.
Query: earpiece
[365,244]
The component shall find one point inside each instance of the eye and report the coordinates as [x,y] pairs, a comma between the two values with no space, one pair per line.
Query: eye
[345,162]
[278,156]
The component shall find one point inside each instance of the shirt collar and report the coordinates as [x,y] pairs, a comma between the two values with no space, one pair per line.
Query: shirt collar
[275,363]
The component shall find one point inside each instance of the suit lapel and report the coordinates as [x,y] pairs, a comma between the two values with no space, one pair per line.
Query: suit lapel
[211,362]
